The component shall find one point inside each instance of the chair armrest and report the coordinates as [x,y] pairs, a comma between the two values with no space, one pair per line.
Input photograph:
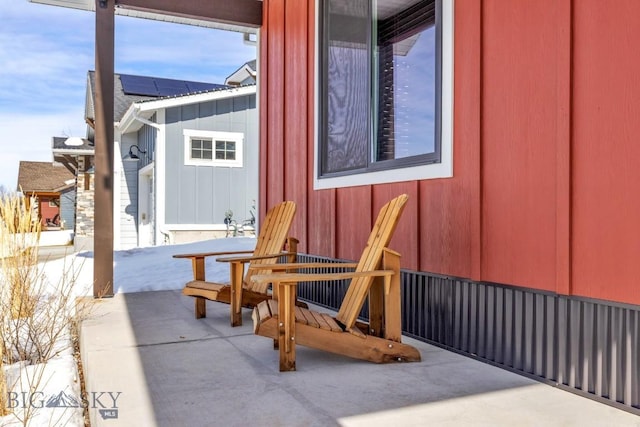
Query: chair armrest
[296,266]
[207,254]
[293,278]
[254,258]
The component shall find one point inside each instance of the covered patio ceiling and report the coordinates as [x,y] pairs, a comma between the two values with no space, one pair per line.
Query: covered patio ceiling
[238,15]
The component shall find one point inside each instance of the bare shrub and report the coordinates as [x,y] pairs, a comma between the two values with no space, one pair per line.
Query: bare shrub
[3,385]
[19,233]
[39,316]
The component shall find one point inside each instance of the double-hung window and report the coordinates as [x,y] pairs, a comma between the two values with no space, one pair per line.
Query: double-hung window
[380,92]
[212,148]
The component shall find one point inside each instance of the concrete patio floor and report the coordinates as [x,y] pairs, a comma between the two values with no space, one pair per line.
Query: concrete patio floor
[174,370]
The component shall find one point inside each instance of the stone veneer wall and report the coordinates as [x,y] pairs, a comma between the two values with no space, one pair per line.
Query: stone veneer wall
[85,205]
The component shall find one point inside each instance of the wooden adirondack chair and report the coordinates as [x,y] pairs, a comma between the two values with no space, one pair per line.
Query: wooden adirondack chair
[242,292]
[376,275]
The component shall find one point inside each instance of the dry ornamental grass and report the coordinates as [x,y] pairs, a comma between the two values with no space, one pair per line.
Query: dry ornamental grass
[39,319]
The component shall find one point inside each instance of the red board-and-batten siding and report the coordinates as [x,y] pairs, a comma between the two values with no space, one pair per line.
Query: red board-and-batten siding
[546,186]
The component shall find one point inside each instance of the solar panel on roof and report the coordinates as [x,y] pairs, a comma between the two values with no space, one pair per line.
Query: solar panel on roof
[156,86]
[170,83]
[171,87]
[172,91]
[198,87]
[141,90]
[138,85]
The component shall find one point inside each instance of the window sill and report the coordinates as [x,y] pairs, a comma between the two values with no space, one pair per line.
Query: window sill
[415,173]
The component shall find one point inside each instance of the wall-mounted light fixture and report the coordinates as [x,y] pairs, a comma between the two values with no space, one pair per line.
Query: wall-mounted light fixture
[103,4]
[134,156]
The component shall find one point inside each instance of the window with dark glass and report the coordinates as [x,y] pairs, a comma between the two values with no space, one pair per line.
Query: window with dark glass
[380,74]
[201,149]
[225,150]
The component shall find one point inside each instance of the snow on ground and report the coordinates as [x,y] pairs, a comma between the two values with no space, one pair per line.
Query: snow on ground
[56,400]
[152,268]
[37,390]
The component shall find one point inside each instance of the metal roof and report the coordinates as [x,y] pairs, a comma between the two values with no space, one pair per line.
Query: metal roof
[161,87]
[123,99]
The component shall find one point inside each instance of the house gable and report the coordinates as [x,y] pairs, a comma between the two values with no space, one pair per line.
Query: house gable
[43,177]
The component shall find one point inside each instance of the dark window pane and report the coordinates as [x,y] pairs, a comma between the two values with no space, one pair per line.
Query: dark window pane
[207,154]
[206,144]
[347,86]
[225,150]
[195,154]
[407,76]
[379,93]
[196,143]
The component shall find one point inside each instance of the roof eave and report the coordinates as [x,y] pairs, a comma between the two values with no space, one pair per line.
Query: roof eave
[82,152]
[147,108]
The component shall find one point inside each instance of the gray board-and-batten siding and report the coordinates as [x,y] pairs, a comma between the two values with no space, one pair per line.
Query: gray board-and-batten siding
[68,208]
[203,194]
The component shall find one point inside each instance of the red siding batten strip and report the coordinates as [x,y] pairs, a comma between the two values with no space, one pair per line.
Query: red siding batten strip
[263,86]
[295,114]
[467,145]
[276,102]
[475,129]
[563,145]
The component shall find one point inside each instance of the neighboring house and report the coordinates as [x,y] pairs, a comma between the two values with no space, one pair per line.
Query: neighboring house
[49,189]
[245,75]
[186,153]
[520,240]
[77,156]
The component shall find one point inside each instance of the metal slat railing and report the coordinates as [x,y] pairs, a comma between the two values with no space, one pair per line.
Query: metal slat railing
[589,346]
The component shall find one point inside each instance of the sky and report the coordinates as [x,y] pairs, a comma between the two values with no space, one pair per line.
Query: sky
[46,52]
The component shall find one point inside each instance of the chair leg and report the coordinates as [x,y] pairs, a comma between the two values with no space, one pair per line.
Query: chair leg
[287,327]
[200,307]
[198,274]
[236,272]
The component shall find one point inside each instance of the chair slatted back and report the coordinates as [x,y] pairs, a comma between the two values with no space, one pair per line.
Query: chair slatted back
[371,259]
[271,239]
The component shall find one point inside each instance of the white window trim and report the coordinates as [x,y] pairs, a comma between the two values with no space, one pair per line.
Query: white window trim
[444,169]
[236,137]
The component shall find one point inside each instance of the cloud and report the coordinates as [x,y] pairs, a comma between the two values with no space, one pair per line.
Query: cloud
[46,51]
[28,137]
[176,51]
[44,57]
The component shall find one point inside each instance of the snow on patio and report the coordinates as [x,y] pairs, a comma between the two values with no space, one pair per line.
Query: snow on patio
[151,268]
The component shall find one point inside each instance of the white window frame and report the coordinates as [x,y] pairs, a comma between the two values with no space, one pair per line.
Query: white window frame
[237,137]
[444,169]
